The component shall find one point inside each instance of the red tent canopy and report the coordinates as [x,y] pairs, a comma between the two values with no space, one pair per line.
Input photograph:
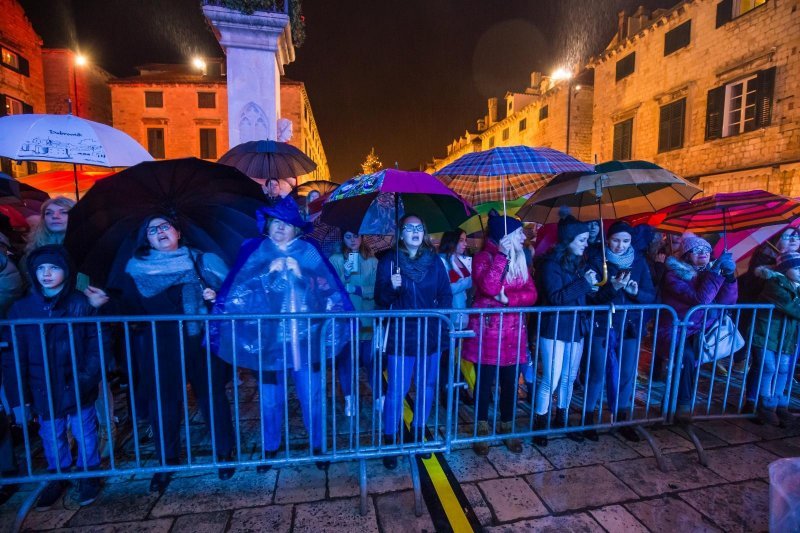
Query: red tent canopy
[62,182]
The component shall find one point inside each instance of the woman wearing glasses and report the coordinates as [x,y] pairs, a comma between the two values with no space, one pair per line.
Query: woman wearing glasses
[166,277]
[692,279]
[411,277]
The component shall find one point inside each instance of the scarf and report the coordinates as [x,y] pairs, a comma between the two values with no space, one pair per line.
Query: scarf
[158,271]
[418,268]
[623,260]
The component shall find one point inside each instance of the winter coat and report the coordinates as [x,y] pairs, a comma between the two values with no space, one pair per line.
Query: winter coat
[489,273]
[66,304]
[684,287]
[780,332]
[425,285]
[561,287]
[640,273]
[360,287]
[12,286]
[461,287]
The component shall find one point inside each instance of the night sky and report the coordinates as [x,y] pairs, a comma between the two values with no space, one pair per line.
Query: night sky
[404,77]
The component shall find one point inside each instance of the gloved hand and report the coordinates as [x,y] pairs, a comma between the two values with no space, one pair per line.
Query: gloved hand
[726,264]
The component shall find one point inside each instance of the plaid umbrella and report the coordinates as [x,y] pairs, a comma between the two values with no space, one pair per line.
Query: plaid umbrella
[735,211]
[505,172]
[626,188]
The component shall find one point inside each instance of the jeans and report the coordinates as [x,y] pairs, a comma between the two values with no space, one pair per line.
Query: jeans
[688,367]
[560,363]
[774,390]
[627,358]
[57,451]
[273,402]
[400,369]
[507,383]
[344,366]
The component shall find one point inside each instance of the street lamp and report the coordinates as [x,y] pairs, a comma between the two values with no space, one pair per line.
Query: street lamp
[562,74]
[80,61]
[199,63]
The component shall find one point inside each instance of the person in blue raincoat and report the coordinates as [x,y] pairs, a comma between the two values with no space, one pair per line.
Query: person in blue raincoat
[282,274]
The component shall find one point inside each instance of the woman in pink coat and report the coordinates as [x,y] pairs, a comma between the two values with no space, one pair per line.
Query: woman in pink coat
[501,279]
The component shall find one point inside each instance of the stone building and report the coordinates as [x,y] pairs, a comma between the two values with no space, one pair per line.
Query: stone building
[85,86]
[552,113]
[707,89]
[21,77]
[180,111]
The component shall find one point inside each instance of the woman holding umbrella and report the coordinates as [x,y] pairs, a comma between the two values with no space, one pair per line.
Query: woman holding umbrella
[411,277]
[165,276]
[630,279]
[282,274]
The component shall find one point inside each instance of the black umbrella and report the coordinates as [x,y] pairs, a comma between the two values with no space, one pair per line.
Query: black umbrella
[214,205]
[9,186]
[263,160]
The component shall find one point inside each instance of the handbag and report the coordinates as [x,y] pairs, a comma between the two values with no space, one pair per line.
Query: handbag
[720,340]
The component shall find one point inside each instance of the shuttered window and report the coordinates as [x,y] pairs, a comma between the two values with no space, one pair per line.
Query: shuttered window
[626,66]
[623,138]
[671,126]
[153,99]
[740,106]
[155,142]
[677,38]
[208,143]
[543,113]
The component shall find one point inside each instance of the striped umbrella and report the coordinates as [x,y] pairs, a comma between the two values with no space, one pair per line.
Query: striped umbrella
[505,172]
[735,211]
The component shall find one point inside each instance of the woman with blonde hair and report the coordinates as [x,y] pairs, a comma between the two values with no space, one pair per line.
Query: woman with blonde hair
[52,226]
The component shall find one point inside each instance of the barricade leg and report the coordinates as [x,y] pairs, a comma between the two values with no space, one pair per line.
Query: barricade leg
[412,460]
[362,478]
[26,507]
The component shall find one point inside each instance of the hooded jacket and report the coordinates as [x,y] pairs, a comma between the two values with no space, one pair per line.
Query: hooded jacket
[68,303]
[489,273]
[684,287]
[778,332]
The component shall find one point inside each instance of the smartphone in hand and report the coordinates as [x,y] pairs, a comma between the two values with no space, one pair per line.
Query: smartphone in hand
[81,282]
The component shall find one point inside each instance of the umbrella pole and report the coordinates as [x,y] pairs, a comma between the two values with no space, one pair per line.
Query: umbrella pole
[724,230]
[598,193]
[505,222]
[397,230]
[75,176]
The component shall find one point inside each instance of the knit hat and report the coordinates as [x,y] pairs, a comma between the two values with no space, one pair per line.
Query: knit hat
[569,227]
[690,241]
[285,210]
[54,254]
[787,261]
[620,226]
[500,225]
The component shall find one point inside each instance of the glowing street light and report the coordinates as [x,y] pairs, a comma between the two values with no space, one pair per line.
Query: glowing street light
[199,63]
[561,74]
[81,60]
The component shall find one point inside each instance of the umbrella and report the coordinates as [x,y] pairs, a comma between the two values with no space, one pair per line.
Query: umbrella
[263,160]
[68,139]
[214,204]
[506,172]
[9,187]
[614,190]
[62,182]
[323,187]
[329,239]
[373,203]
[725,212]
[478,222]
[23,200]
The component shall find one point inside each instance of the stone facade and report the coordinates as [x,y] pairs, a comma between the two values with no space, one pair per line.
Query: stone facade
[86,86]
[186,124]
[765,155]
[537,117]
[21,76]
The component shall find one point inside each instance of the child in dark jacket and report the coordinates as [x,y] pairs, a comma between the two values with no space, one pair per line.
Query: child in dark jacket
[61,391]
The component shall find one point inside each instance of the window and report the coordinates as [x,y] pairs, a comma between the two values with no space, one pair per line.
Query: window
[740,106]
[727,10]
[505,134]
[153,99]
[207,100]
[208,143]
[523,124]
[491,141]
[12,106]
[677,38]
[155,142]
[670,126]
[626,66]
[623,136]
[14,61]
[543,113]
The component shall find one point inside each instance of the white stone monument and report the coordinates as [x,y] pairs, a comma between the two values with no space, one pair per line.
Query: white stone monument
[257,47]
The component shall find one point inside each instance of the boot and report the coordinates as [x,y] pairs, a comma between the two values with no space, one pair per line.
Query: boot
[513,444]
[768,416]
[540,422]
[562,416]
[784,415]
[389,461]
[591,433]
[482,447]
[627,432]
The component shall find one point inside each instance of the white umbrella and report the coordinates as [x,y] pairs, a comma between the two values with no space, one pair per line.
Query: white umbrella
[68,139]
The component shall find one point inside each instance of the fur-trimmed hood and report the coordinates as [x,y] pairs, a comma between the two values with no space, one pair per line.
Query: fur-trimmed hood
[682,269]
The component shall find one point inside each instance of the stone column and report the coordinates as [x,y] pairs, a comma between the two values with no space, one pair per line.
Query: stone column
[257,47]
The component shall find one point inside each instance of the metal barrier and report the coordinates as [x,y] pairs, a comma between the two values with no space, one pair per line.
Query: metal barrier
[364,385]
[615,352]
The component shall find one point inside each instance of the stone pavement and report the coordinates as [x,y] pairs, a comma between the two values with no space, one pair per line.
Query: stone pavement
[610,485]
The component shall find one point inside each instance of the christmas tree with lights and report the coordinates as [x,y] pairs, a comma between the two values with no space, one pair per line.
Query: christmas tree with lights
[371,163]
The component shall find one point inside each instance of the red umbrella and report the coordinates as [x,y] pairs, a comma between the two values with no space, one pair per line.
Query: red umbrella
[63,182]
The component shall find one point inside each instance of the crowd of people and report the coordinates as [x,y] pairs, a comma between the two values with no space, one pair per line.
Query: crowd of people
[57,371]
